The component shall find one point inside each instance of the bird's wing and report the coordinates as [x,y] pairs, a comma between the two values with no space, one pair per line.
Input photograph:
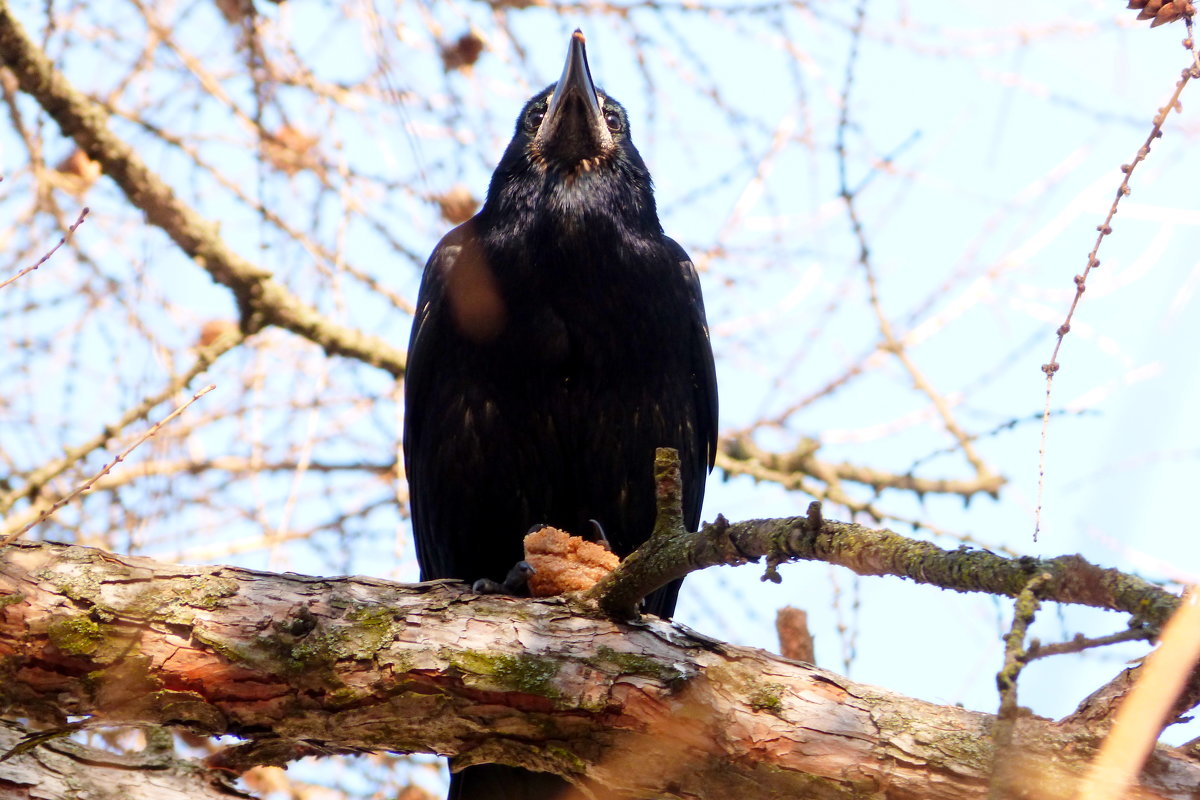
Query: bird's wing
[447,301]
[432,315]
[704,369]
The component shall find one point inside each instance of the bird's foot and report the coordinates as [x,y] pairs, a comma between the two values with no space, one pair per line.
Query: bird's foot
[516,583]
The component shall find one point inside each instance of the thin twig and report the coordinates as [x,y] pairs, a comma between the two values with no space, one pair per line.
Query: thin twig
[1080,643]
[802,459]
[891,343]
[1103,229]
[53,250]
[1000,787]
[12,537]
[36,479]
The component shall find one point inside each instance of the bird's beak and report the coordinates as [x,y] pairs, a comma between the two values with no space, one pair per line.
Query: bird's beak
[574,128]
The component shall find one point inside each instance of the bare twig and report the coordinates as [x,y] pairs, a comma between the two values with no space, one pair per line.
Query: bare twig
[34,481]
[1093,261]
[82,215]
[12,537]
[1081,643]
[803,460]
[1001,785]
[891,343]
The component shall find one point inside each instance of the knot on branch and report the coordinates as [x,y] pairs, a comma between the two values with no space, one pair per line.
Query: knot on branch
[779,542]
[724,545]
[814,519]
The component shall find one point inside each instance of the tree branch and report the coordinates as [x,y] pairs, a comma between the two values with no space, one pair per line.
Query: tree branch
[262,299]
[673,553]
[746,457]
[654,563]
[60,767]
[300,665]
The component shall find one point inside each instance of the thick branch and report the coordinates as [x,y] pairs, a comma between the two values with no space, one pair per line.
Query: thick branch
[263,300]
[300,665]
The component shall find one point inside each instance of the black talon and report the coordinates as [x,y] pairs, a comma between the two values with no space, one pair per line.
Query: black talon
[516,582]
[598,535]
[486,586]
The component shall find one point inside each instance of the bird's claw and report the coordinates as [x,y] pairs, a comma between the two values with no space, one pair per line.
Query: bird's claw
[598,535]
[516,583]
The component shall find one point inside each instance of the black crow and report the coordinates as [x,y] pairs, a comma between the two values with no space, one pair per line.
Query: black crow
[559,339]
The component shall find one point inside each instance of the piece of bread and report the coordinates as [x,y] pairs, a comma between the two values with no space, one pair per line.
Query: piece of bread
[565,563]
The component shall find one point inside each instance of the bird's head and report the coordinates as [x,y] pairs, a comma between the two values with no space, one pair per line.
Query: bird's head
[571,126]
[572,147]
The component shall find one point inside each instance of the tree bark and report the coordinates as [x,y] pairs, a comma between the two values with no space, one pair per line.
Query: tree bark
[302,665]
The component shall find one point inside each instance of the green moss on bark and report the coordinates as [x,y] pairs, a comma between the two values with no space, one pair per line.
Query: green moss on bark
[767,697]
[606,659]
[76,635]
[524,673]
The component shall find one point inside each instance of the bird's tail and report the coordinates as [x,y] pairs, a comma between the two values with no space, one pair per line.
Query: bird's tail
[501,782]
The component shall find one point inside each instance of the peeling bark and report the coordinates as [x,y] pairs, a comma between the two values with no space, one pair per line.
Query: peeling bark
[301,665]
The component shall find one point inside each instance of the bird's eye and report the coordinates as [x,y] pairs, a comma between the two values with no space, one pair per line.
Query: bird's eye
[533,120]
[613,120]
